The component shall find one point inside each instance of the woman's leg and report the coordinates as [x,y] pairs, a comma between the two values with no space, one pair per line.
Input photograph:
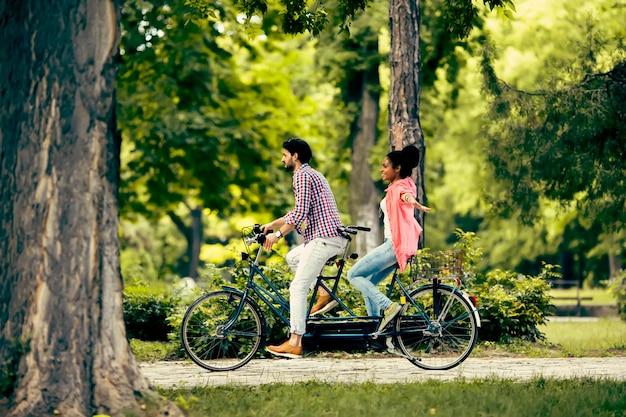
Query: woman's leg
[371,270]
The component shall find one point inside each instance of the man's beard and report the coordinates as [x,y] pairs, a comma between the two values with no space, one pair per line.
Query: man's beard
[289,167]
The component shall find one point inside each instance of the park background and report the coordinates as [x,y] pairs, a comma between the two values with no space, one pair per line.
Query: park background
[204,105]
[522,119]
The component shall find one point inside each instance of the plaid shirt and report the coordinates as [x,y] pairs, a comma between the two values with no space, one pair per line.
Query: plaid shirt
[315,214]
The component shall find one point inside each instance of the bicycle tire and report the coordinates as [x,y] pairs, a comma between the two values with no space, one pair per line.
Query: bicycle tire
[436,343]
[213,346]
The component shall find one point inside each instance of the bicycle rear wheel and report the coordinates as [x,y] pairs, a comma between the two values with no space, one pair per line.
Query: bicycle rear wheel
[218,339]
[436,338]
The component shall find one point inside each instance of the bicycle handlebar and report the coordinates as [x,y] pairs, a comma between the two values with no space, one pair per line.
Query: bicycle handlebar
[258,236]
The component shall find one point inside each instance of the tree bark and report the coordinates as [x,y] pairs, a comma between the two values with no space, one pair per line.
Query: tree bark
[364,197]
[404,90]
[62,337]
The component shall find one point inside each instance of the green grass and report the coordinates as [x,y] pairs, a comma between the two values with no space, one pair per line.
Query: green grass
[154,351]
[606,336]
[566,338]
[489,397]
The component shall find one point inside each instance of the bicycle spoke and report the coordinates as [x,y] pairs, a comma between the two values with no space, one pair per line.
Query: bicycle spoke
[218,339]
[440,342]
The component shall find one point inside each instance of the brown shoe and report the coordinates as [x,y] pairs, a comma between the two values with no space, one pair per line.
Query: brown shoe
[324,304]
[286,351]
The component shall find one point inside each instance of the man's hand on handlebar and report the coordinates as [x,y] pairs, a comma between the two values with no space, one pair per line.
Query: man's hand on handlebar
[270,239]
[270,236]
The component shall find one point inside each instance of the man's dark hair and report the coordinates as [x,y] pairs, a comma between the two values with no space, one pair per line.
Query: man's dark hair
[296,145]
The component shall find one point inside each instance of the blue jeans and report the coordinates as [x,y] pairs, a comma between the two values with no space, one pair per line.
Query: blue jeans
[366,274]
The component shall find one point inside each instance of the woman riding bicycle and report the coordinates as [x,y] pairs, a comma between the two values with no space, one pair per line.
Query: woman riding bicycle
[401,234]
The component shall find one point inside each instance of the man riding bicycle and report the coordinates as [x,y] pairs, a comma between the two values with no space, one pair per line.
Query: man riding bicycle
[316,217]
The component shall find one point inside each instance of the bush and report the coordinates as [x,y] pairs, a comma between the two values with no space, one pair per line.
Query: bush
[146,313]
[512,305]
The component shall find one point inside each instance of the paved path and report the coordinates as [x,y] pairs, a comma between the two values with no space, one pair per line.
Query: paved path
[380,370]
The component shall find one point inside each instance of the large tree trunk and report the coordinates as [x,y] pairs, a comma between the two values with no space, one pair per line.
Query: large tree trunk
[62,339]
[404,90]
[364,197]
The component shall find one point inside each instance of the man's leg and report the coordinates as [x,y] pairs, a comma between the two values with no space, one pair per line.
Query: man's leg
[293,257]
[312,260]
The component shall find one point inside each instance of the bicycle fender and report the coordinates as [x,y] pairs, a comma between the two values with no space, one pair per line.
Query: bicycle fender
[474,310]
[233,289]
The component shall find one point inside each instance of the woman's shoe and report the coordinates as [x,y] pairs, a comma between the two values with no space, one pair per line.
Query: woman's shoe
[390,313]
[324,304]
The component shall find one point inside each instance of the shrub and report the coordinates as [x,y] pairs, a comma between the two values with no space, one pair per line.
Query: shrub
[146,313]
[512,305]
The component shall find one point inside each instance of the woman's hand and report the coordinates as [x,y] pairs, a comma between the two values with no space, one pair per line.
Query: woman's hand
[409,199]
[423,208]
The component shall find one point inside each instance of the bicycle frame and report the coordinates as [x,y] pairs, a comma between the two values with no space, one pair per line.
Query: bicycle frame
[270,295]
[278,304]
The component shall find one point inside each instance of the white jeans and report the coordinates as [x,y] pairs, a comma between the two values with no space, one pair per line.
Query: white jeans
[307,261]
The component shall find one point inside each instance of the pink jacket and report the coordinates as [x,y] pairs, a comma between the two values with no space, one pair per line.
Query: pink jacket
[405,230]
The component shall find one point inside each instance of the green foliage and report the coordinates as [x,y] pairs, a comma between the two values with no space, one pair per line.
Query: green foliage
[538,48]
[461,15]
[472,254]
[299,17]
[210,278]
[147,312]
[564,140]
[279,275]
[149,250]
[199,117]
[512,306]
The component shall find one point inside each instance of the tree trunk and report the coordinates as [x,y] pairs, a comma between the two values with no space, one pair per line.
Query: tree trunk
[405,67]
[62,338]
[364,197]
[189,263]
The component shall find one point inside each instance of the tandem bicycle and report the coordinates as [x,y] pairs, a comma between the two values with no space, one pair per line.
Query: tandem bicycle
[436,329]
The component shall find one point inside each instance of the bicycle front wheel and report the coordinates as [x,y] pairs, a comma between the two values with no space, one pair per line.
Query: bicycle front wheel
[439,335]
[216,337]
